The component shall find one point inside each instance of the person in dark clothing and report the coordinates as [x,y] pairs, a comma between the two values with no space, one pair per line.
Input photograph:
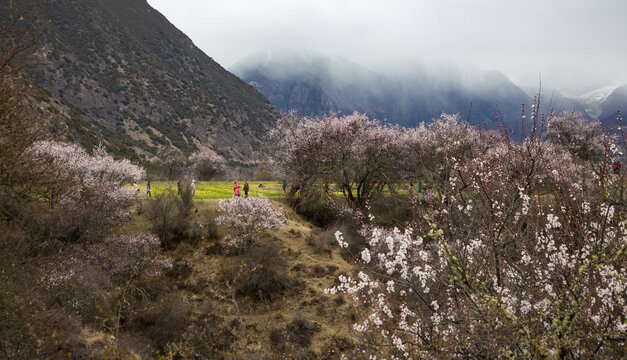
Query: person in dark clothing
[148,190]
[178,188]
[246,188]
[284,186]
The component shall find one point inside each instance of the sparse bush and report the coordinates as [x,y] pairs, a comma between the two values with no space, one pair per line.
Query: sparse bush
[301,331]
[337,346]
[180,270]
[166,321]
[211,230]
[277,339]
[207,338]
[298,333]
[195,233]
[88,270]
[392,210]
[265,276]
[263,175]
[316,205]
[58,336]
[168,220]
[322,242]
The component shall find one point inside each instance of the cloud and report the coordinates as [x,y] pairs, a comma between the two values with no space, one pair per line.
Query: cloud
[562,39]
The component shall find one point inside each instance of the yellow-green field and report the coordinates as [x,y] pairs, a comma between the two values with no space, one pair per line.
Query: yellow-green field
[224,189]
[216,189]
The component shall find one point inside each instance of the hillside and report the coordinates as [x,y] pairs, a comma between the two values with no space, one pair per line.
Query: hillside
[118,71]
[315,84]
[616,100]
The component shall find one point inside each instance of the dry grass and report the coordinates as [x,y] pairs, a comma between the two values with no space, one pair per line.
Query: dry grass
[313,270]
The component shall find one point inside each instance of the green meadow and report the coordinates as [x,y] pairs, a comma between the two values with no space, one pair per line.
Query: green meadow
[224,189]
[216,189]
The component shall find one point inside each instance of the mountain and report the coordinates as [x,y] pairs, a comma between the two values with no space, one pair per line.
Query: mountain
[117,71]
[554,99]
[616,100]
[603,104]
[315,84]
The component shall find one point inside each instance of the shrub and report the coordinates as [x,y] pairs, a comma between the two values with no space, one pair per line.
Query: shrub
[166,321]
[520,252]
[171,161]
[207,165]
[207,338]
[301,331]
[392,210]
[88,197]
[166,215]
[265,274]
[249,216]
[87,271]
[322,242]
[186,202]
[298,332]
[316,205]
[211,230]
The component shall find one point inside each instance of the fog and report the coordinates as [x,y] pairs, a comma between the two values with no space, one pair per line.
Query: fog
[576,45]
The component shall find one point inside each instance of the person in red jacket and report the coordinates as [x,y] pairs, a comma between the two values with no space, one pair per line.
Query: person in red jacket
[616,167]
[236,189]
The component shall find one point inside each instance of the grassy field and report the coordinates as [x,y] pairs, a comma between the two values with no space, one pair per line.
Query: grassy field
[224,189]
[217,189]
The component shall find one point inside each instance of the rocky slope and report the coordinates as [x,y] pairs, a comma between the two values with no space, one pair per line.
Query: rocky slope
[117,71]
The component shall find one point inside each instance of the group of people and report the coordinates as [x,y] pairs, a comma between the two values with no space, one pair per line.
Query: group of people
[411,188]
[236,188]
[179,188]
[246,188]
[137,189]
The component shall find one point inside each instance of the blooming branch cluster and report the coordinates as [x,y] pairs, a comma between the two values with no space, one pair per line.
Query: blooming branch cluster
[250,216]
[89,170]
[519,251]
[206,164]
[351,151]
[94,268]
[88,191]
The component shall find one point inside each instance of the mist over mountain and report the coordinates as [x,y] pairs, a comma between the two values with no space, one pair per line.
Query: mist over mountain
[118,71]
[617,99]
[314,84]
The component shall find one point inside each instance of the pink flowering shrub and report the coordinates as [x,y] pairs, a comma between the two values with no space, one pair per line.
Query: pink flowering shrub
[89,171]
[88,272]
[249,216]
[207,165]
[582,138]
[87,195]
[351,151]
[519,252]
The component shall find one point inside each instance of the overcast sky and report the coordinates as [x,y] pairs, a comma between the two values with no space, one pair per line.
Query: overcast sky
[576,45]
